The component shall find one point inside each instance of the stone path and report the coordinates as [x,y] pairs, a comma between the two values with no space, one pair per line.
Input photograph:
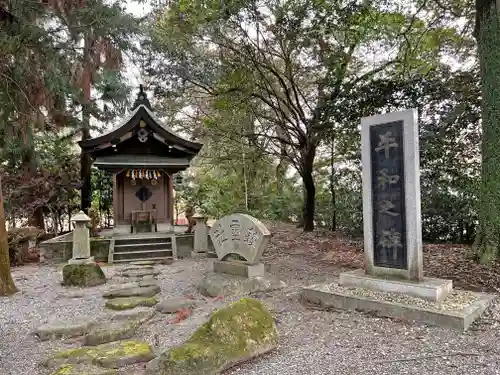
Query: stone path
[108,344]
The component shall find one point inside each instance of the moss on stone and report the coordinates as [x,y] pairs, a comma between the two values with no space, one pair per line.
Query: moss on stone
[83,275]
[111,355]
[99,248]
[233,334]
[126,303]
[70,369]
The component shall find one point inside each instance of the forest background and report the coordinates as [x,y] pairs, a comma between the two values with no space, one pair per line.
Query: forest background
[274,89]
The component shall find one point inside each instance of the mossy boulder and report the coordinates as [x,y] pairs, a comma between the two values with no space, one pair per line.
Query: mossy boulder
[232,335]
[111,355]
[126,303]
[83,275]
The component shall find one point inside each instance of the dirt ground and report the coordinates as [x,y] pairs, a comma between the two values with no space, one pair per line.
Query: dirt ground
[312,342]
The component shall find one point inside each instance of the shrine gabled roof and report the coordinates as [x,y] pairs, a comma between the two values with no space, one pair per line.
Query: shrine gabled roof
[141,112]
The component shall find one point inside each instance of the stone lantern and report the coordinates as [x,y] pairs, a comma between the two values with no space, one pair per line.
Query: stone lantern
[81,240]
[200,233]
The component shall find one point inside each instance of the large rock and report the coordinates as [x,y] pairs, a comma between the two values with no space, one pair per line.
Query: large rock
[111,355]
[126,303]
[83,275]
[146,291]
[233,334]
[64,329]
[214,285]
[171,305]
[83,369]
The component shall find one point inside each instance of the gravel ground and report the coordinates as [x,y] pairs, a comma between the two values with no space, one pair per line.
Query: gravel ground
[312,342]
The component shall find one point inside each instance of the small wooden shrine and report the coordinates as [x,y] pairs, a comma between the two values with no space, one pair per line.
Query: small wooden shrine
[143,154]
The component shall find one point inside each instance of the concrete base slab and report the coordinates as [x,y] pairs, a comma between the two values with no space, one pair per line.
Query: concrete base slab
[429,288]
[461,320]
[239,268]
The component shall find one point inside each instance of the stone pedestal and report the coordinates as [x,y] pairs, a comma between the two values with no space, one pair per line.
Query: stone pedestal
[200,234]
[81,240]
[239,268]
[88,260]
[429,288]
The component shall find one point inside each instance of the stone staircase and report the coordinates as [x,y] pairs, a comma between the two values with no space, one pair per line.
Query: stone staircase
[133,249]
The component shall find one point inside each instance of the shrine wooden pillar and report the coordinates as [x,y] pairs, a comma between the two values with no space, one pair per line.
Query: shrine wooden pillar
[115,199]
[171,199]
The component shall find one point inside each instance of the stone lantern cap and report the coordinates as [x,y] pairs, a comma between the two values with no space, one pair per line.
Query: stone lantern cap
[198,215]
[80,217]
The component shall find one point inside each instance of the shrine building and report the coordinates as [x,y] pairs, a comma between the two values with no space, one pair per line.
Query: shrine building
[143,155]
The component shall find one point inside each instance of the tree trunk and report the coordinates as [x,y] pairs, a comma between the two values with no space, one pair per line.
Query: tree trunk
[30,171]
[332,186]
[85,162]
[309,188]
[85,174]
[487,242]
[7,286]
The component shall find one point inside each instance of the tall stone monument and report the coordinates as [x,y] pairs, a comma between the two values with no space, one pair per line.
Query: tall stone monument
[391,209]
[393,274]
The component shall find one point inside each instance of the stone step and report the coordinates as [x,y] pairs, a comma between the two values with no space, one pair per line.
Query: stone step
[142,255]
[142,240]
[145,246]
[141,259]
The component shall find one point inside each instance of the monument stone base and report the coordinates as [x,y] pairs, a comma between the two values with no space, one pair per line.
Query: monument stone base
[89,260]
[429,288]
[334,296]
[239,268]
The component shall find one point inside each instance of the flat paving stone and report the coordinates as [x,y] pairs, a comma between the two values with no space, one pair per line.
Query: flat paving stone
[171,305]
[111,331]
[111,355]
[83,369]
[136,267]
[146,291]
[143,263]
[141,314]
[140,273]
[64,329]
[126,303]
